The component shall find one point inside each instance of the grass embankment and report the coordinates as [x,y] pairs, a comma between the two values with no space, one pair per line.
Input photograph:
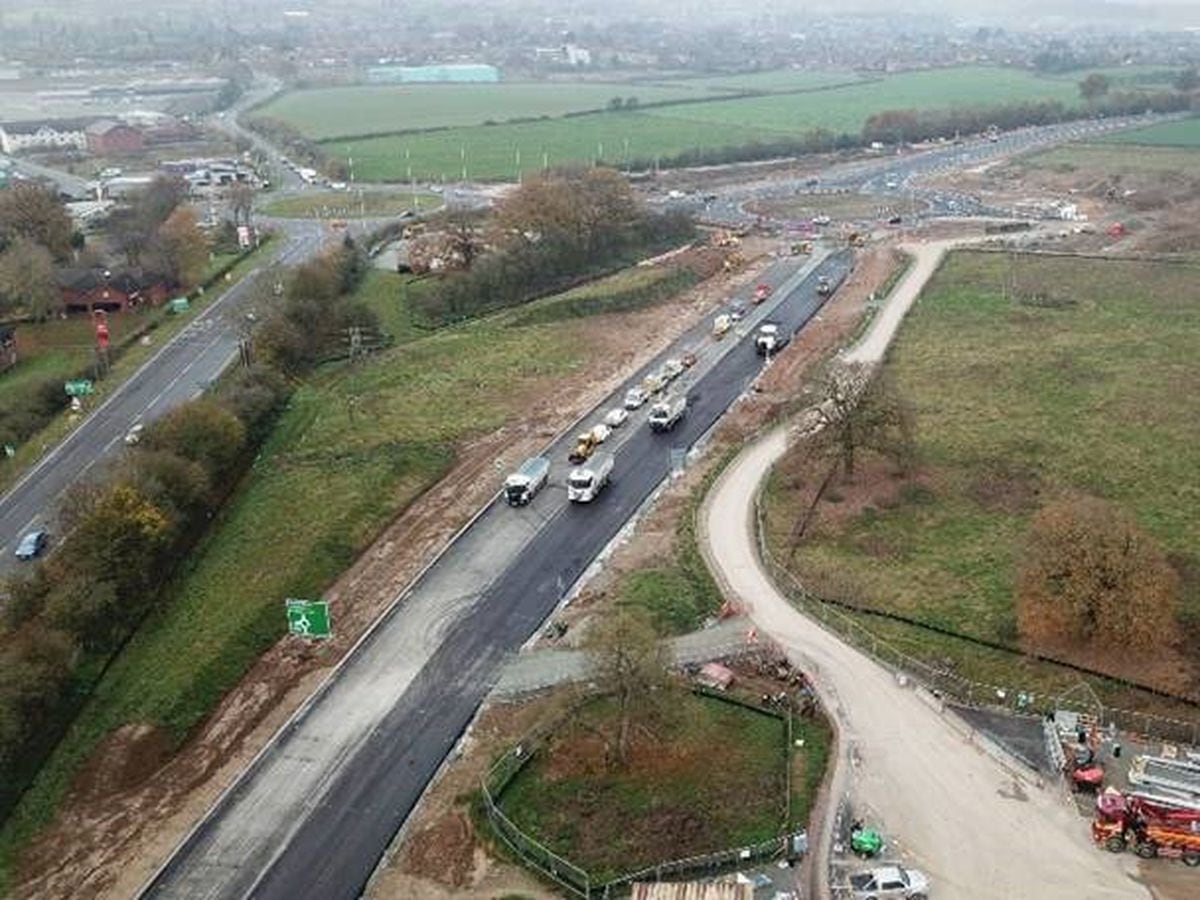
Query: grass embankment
[1089,384]
[356,445]
[670,802]
[499,152]
[349,205]
[64,349]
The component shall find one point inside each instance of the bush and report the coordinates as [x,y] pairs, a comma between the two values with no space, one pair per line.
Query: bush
[201,431]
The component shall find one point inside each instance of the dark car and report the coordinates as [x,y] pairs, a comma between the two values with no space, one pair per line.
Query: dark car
[895,220]
[32,545]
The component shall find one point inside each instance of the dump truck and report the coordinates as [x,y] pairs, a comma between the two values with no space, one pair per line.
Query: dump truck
[521,485]
[770,339]
[586,481]
[1151,824]
[666,413]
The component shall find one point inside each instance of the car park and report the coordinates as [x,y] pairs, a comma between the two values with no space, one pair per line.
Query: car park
[33,544]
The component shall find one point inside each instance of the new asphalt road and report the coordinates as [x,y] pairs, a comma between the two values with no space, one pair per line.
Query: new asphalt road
[182,368]
[315,811]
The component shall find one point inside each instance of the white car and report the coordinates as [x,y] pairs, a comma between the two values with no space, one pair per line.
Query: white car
[888,882]
[134,434]
[616,417]
[600,433]
[821,220]
[672,369]
[635,397]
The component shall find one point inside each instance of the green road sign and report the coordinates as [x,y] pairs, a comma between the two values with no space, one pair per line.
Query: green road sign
[80,388]
[309,618]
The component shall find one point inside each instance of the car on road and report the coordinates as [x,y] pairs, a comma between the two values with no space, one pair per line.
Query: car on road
[762,292]
[890,883]
[616,417]
[134,434]
[737,312]
[688,359]
[672,369]
[635,397]
[600,433]
[653,383]
[895,220]
[33,544]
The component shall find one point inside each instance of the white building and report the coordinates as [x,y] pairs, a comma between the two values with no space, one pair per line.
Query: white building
[44,135]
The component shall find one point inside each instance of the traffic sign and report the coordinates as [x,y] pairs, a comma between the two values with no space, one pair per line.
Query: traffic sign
[79,388]
[308,618]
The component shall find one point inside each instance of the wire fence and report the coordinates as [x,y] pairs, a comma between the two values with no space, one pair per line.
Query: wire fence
[947,684]
[577,880]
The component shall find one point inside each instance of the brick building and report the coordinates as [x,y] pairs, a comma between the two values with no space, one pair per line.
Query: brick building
[109,138]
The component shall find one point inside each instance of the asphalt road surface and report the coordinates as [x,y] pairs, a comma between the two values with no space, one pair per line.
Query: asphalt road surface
[315,811]
[177,372]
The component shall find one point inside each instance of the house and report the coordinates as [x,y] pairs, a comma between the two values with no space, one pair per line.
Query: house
[85,290]
[45,134]
[109,138]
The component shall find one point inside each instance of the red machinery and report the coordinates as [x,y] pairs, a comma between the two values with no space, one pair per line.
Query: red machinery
[1152,824]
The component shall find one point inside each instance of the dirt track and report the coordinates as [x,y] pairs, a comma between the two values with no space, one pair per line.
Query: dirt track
[978,829]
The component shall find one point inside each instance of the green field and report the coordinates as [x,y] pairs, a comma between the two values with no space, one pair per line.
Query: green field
[495,153]
[772,81]
[846,109]
[499,152]
[1017,402]
[323,113]
[348,205]
[1184,133]
[670,803]
[354,447]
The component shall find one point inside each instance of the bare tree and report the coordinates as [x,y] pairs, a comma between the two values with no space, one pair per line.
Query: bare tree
[27,280]
[861,409]
[627,664]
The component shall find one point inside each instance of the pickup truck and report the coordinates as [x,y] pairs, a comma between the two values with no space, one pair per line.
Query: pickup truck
[888,882]
[665,414]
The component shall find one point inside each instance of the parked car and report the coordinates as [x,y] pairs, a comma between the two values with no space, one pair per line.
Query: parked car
[635,397]
[615,417]
[134,434]
[33,544]
[888,882]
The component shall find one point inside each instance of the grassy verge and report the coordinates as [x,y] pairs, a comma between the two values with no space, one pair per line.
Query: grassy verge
[349,205]
[159,325]
[356,445]
[666,804]
[1017,401]
[627,290]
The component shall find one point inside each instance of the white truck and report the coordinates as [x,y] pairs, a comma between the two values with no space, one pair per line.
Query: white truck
[521,485]
[770,339]
[666,413]
[589,479]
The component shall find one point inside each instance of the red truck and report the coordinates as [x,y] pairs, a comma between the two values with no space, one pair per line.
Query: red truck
[1153,825]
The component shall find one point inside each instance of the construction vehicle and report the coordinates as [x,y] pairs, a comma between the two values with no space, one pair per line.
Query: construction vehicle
[733,261]
[1160,773]
[1152,824]
[586,481]
[521,485]
[770,339]
[726,239]
[667,413]
[585,446]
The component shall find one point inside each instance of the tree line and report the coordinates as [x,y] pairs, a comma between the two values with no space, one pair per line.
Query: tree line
[127,533]
[548,233]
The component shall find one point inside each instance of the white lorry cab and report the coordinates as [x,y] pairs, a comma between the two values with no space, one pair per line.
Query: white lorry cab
[586,481]
[521,485]
[665,414]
